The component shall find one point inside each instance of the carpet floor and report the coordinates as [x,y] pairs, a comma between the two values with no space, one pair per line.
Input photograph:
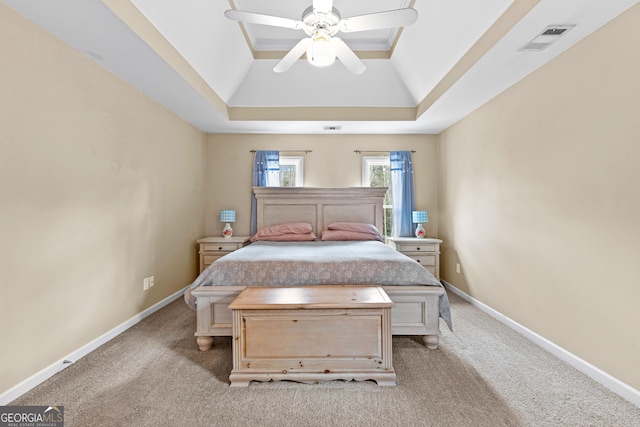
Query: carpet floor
[483,374]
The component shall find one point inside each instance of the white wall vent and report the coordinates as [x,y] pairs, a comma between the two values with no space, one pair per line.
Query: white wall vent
[547,36]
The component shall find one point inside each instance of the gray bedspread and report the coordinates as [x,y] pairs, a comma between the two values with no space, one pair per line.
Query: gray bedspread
[317,263]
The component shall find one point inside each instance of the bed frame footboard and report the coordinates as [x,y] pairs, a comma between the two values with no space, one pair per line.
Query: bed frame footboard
[213,316]
[416,312]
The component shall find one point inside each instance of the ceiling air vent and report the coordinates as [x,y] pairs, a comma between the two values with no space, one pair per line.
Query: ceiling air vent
[546,37]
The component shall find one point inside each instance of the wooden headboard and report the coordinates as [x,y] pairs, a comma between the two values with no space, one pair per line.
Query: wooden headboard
[319,206]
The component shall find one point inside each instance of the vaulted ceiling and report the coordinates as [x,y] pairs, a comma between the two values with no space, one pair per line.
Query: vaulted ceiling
[218,74]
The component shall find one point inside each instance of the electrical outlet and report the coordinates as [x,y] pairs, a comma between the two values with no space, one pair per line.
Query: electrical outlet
[152,281]
[458,267]
[145,284]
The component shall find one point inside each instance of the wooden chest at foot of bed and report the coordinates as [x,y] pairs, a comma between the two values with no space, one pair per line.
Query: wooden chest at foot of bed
[312,334]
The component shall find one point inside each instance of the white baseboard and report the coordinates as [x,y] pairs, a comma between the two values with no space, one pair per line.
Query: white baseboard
[26,385]
[613,384]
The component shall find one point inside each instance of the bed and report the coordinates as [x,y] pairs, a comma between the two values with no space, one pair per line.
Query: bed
[420,299]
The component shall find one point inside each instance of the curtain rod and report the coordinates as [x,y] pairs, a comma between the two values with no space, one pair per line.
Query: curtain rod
[376,151]
[288,151]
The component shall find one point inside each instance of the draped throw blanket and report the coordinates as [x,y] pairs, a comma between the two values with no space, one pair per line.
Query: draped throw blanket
[317,263]
[402,192]
[266,173]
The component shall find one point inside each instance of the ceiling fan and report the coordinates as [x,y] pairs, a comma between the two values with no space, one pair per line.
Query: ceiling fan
[321,22]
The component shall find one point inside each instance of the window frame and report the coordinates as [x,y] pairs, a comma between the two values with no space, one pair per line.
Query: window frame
[298,163]
[367,162]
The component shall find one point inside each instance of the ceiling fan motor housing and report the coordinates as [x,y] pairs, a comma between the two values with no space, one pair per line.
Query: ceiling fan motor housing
[326,23]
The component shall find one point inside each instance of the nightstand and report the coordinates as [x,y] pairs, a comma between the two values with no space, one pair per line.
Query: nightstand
[426,251]
[212,248]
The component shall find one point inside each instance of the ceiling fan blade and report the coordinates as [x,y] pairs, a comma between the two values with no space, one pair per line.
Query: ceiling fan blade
[347,56]
[322,6]
[258,18]
[374,21]
[292,56]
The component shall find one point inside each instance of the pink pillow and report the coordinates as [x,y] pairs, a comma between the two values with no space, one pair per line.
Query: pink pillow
[285,237]
[291,228]
[357,227]
[354,226]
[349,235]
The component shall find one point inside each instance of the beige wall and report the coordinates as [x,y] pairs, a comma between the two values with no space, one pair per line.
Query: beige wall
[332,163]
[539,200]
[99,188]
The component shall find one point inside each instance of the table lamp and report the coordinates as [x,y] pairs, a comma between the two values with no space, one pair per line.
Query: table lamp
[419,217]
[227,216]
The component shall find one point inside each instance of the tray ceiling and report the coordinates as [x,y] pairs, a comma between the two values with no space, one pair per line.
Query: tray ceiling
[217,73]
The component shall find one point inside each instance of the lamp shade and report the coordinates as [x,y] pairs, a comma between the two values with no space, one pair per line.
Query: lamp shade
[418,217]
[228,215]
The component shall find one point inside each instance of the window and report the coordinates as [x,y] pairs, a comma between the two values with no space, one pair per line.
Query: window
[291,171]
[376,172]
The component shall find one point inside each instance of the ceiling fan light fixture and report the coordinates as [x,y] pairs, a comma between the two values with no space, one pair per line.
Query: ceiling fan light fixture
[320,52]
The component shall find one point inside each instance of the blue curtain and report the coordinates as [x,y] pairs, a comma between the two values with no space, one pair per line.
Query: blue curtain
[266,173]
[402,192]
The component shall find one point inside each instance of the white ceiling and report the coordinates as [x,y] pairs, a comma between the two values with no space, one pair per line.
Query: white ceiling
[199,64]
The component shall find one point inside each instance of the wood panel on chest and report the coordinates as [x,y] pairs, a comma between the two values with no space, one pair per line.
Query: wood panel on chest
[312,334]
